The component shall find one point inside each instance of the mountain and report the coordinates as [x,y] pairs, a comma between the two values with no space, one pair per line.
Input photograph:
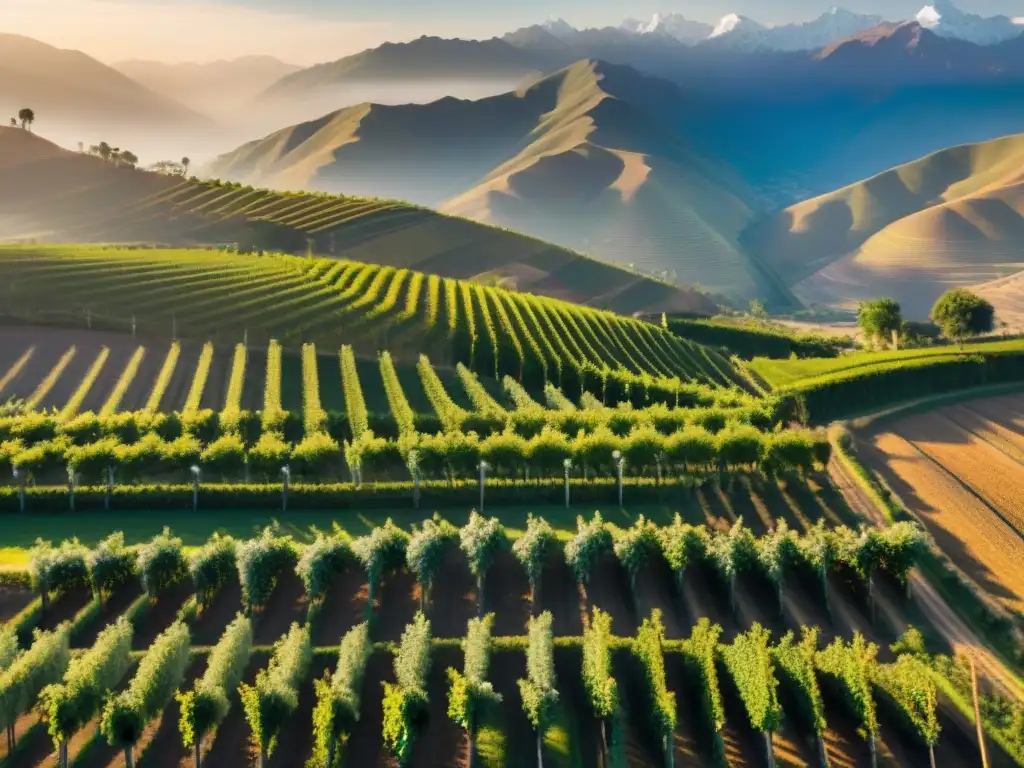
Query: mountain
[672,24]
[560,28]
[68,87]
[945,19]
[741,33]
[952,218]
[422,59]
[911,51]
[64,196]
[594,157]
[216,87]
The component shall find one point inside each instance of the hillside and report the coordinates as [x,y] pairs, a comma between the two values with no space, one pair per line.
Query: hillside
[68,86]
[952,218]
[590,157]
[213,88]
[208,294]
[68,197]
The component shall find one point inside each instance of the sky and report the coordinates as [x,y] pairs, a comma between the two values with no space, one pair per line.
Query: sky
[310,31]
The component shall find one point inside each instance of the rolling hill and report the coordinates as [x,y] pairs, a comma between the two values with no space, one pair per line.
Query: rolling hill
[594,157]
[953,218]
[64,196]
[68,86]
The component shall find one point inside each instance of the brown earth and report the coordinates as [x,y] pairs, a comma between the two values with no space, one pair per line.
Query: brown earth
[560,594]
[507,596]
[63,607]
[453,599]
[211,622]
[397,600]
[440,742]
[287,604]
[964,526]
[344,606]
[159,614]
[365,746]
[119,602]
[13,600]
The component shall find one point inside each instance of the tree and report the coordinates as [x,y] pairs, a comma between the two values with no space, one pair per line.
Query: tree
[27,117]
[757,309]
[881,318]
[129,158]
[101,150]
[185,163]
[961,314]
[14,122]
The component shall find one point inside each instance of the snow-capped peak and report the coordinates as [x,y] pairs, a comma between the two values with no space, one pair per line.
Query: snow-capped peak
[559,27]
[672,24]
[727,24]
[943,18]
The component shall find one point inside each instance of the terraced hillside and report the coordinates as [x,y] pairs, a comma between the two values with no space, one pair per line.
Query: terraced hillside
[954,218]
[202,294]
[69,197]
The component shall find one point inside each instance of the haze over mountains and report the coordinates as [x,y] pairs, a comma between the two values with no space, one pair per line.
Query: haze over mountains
[588,157]
[707,153]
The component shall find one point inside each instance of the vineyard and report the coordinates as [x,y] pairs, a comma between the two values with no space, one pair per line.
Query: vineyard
[71,197]
[698,644]
[244,298]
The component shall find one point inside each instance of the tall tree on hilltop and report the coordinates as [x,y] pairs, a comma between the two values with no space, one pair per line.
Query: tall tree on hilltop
[27,117]
[185,163]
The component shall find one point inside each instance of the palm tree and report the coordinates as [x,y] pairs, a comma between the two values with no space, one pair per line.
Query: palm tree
[185,163]
[27,117]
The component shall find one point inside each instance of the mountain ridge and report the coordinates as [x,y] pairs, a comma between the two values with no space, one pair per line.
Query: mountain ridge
[588,157]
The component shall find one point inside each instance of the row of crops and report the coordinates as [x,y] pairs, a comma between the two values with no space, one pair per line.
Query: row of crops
[200,294]
[515,434]
[69,692]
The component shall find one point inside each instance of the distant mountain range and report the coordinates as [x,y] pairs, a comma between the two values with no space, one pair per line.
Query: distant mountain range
[741,33]
[65,85]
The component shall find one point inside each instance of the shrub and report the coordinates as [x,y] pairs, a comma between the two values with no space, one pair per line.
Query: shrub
[338,699]
[205,706]
[111,565]
[162,564]
[212,567]
[406,700]
[69,705]
[591,542]
[321,561]
[275,696]
[534,548]
[159,674]
[426,551]
[261,561]
[58,569]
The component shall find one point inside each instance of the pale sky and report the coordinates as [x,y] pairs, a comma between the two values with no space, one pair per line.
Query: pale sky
[310,31]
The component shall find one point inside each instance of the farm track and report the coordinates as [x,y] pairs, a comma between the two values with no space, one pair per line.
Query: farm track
[953,629]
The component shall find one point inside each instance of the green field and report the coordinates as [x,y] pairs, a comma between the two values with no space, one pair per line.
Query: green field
[782,374]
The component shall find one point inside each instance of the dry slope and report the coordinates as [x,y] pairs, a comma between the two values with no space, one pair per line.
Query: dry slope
[65,196]
[952,218]
[593,157]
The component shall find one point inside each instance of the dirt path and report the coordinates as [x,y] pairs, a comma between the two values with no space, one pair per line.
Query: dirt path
[955,632]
